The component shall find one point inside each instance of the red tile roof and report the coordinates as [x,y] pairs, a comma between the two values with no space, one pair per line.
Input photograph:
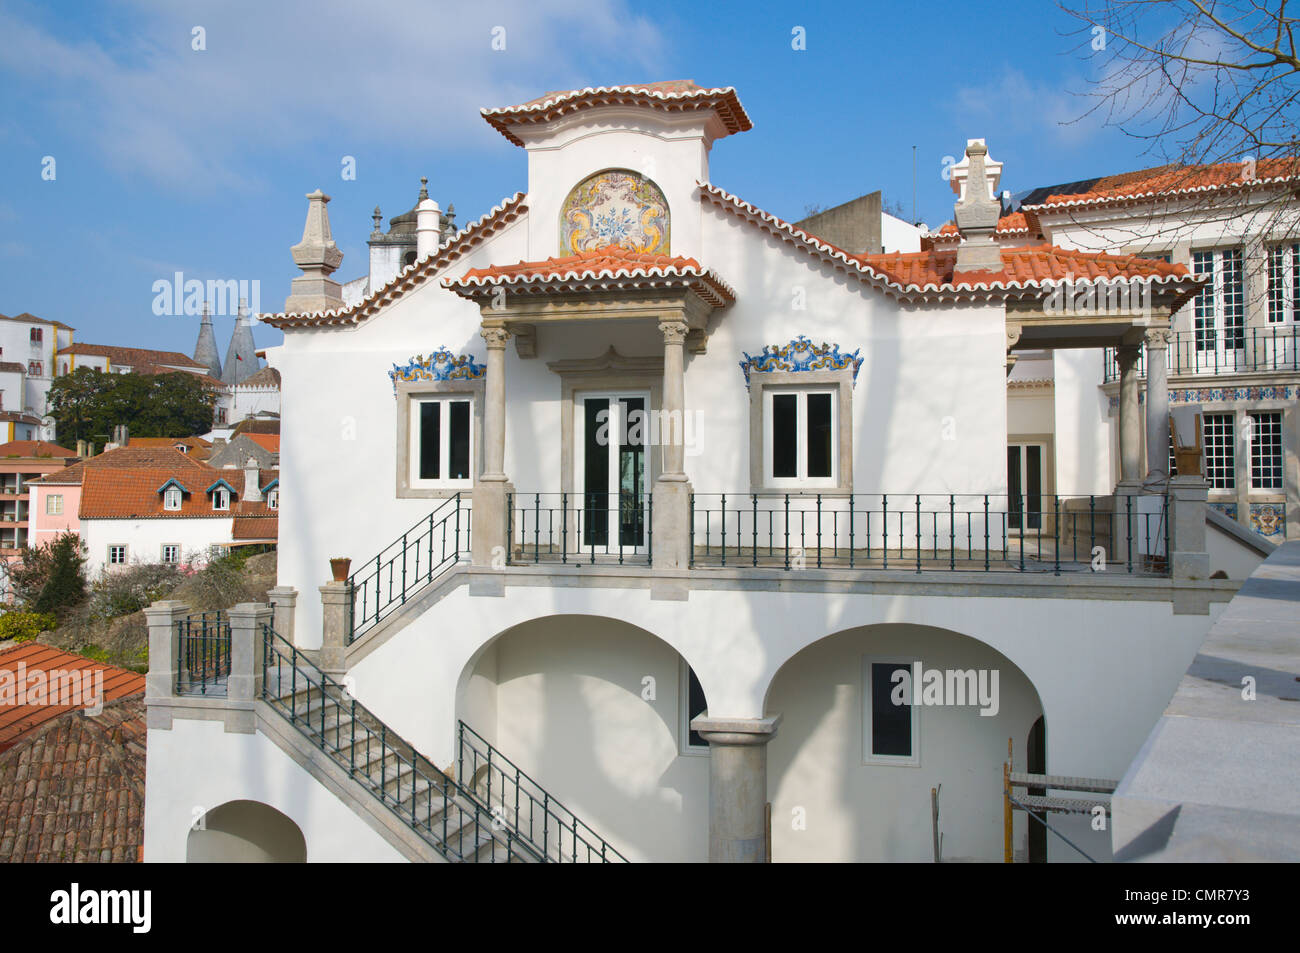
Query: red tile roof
[674,96]
[267,441]
[1172,180]
[34,448]
[604,267]
[126,458]
[266,377]
[22,710]
[73,790]
[412,276]
[29,318]
[1008,226]
[111,493]
[131,356]
[253,528]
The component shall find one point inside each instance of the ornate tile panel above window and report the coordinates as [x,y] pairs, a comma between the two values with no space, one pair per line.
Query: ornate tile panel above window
[801,417]
[439,424]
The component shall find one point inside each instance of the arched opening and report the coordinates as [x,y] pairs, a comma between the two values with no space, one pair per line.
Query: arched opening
[245,832]
[1036,763]
[595,711]
[860,746]
[408,259]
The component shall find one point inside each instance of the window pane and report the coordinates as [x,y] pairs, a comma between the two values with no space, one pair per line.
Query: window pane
[819,435]
[1266,451]
[891,725]
[1013,483]
[784,435]
[458,465]
[1220,462]
[1034,485]
[430,440]
[598,430]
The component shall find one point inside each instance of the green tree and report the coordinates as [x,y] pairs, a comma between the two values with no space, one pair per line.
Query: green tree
[50,576]
[87,404]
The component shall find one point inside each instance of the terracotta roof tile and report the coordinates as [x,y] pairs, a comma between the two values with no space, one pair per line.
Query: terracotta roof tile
[249,528]
[267,441]
[131,356]
[1008,226]
[266,377]
[671,96]
[126,458]
[1171,180]
[34,448]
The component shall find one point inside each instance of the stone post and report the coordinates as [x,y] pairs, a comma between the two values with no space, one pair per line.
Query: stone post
[737,786]
[247,649]
[161,618]
[1130,434]
[488,534]
[284,604]
[1157,341]
[336,605]
[672,492]
[1187,502]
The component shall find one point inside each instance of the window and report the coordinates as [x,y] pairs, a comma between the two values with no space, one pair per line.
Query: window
[441,441]
[799,437]
[693,704]
[1266,450]
[1283,284]
[54,504]
[1220,310]
[37,335]
[221,498]
[1220,459]
[117,555]
[172,498]
[171,553]
[273,500]
[34,369]
[891,721]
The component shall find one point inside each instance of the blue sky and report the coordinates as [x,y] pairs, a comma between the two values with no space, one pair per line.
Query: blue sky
[173,159]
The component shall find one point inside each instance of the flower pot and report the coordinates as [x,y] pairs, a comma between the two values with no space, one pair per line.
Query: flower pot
[339,567]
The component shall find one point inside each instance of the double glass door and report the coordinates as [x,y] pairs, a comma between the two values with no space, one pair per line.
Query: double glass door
[611,469]
[1025,486]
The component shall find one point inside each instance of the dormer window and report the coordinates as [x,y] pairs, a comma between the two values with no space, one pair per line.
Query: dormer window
[273,500]
[172,498]
[221,498]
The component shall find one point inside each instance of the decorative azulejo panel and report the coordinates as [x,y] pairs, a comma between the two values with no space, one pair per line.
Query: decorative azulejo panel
[441,365]
[1212,395]
[1269,520]
[801,355]
[616,207]
[1227,509]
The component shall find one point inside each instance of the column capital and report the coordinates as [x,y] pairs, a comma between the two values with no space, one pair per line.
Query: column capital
[736,731]
[495,336]
[1126,356]
[674,330]
[1158,338]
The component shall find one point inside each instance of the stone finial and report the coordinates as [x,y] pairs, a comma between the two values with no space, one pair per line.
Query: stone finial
[318,257]
[977,211]
[424,188]
[378,218]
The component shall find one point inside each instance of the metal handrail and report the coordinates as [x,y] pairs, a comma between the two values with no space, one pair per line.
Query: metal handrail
[1213,352]
[450,815]
[536,814]
[202,654]
[407,565]
[551,527]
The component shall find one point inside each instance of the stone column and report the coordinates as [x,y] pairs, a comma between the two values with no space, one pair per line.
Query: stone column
[284,604]
[490,490]
[1157,341]
[246,650]
[672,492]
[737,786]
[1130,434]
[336,605]
[161,618]
[1187,500]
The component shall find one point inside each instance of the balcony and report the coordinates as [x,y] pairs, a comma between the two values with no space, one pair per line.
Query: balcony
[1249,351]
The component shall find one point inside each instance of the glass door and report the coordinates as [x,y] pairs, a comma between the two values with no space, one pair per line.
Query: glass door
[1025,486]
[611,471]
[1219,311]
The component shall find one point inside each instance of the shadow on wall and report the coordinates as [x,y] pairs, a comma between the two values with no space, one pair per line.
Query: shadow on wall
[246,832]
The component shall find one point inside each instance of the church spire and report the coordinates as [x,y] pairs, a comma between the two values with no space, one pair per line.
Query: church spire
[241,358]
[205,349]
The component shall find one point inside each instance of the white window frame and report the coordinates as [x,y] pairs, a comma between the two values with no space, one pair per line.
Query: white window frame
[1277,441]
[163,554]
[112,548]
[1215,297]
[1284,284]
[54,504]
[409,396]
[444,436]
[868,757]
[273,499]
[1212,440]
[221,499]
[801,480]
[170,494]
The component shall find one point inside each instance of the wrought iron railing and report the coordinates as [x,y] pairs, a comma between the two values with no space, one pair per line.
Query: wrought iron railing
[928,532]
[438,809]
[505,790]
[203,654]
[580,528]
[408,564]
[1210,353]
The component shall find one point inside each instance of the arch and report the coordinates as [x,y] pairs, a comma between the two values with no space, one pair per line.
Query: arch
[615,207]
[864,801]
[589,706]
[246,832]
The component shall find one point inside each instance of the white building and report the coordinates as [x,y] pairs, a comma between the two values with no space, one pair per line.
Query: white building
[28,349]
[668,629]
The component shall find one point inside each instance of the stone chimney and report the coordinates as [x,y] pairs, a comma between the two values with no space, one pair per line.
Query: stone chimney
[81,450]
[318,257]
[252,482]
[977,211]
[205,350]
[428,223]
[241,356]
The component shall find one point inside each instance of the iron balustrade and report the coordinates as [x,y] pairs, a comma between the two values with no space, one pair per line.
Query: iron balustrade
[505,790]
[438,809]
[1211,353]
[577,528]
[408,564]
[203,654]
[928,532]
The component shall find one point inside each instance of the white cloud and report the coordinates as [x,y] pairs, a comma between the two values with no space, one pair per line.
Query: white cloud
[1013,103]
[285,75]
